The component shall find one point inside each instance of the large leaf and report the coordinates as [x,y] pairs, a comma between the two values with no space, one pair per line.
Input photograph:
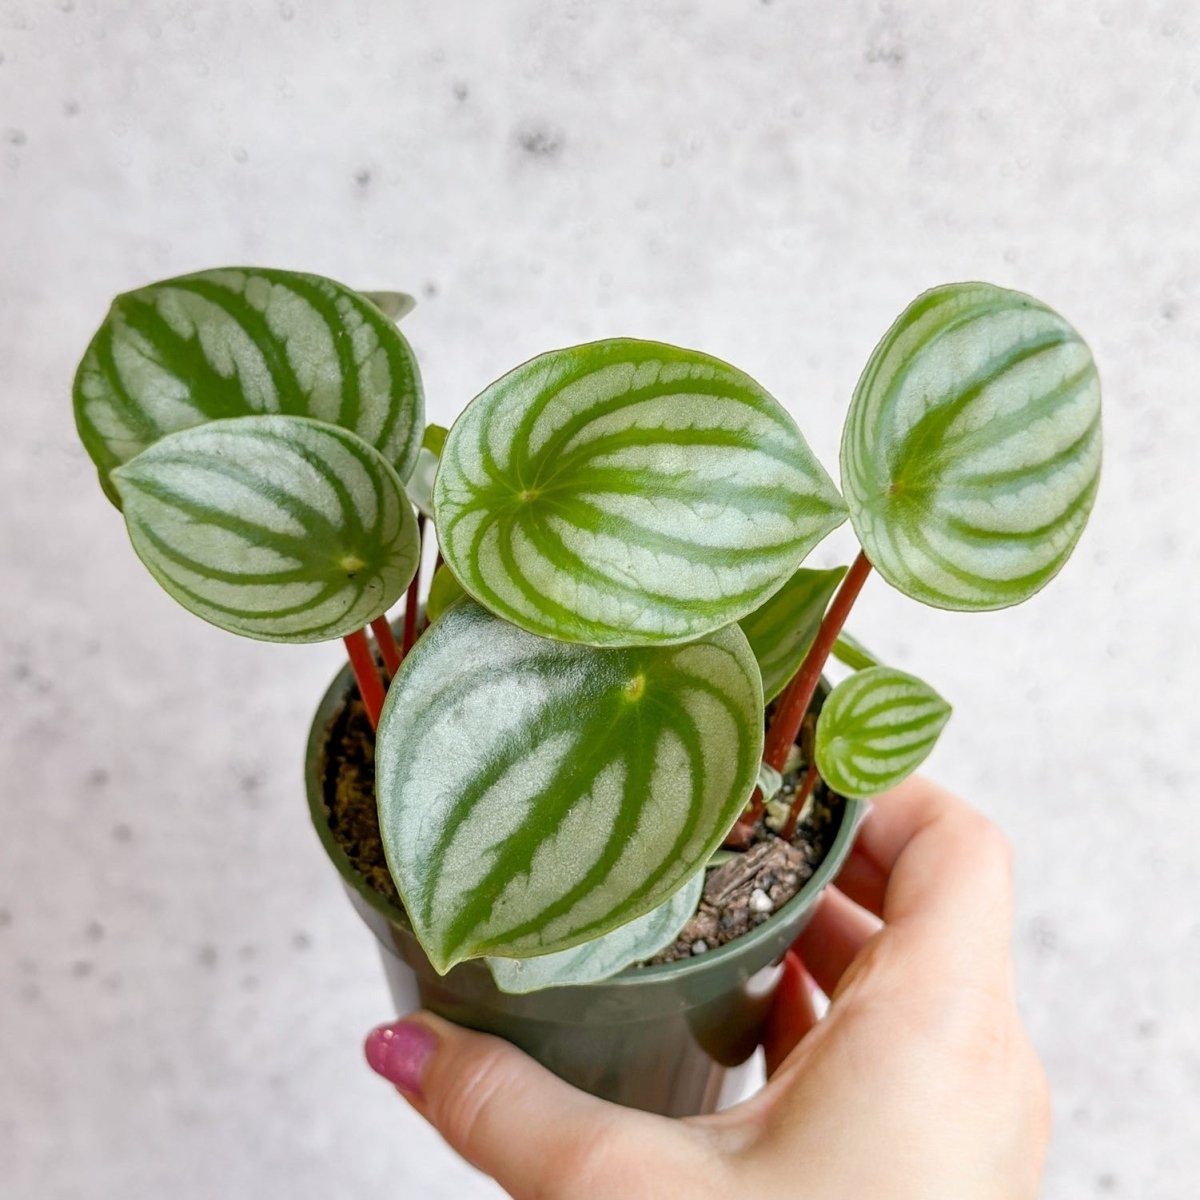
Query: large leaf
[239,342]
[971,453]
[876,728]
[284,529]
[534,794]
[603,957]
[781,630]
[626,492]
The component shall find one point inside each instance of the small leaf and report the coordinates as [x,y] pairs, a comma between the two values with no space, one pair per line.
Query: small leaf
[242,342]
[283,529]
[853,653]
[781,630]
[627,493]
[603,957]
[535,794]
[394,305]
[875,729]
[444,590]
[971,452]
[420,482]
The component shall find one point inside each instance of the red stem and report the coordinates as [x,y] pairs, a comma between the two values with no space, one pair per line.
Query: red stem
[793,704]
[798,801]
[366,674]
[386,640]
[410,601]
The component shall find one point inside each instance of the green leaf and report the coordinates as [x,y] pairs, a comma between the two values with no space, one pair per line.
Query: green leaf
[284,529]
[420,482]
[534,794]
[444,590]
[394,305]
[241,342]
[853,653]
[626,493]
[781,630]
[603,957]
[971,452]
[876,728]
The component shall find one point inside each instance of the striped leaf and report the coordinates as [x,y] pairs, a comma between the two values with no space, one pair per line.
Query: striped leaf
[444,590]
[971,452]
[603,957]
[240,342]
[535,794]
[628,493]
[284,529]
[853,653]
[781,630]
[876,728]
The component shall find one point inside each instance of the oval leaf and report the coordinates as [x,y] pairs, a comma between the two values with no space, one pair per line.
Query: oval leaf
[971,452]
[240,342]
[278,528]
[876,728]
[444,590]
[603,957]
[627,493]
[534,794]
[781,630]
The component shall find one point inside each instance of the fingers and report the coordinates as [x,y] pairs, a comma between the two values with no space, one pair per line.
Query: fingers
[833,938]
[792,1013]
[940,876]
[510,1117]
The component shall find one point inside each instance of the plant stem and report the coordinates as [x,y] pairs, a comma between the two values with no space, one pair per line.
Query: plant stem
[410,601]
[366,675]
[386,640]
[811,776]
[793,704]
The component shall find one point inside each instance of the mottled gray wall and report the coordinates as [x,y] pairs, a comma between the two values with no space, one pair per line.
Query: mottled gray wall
[182,987]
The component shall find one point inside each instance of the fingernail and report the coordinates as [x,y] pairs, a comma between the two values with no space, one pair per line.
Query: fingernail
[400,1052]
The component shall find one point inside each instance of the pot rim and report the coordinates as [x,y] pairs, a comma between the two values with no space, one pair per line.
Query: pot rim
[852,817]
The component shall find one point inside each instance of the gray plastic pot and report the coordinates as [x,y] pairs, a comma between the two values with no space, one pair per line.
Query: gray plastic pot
[657,1038]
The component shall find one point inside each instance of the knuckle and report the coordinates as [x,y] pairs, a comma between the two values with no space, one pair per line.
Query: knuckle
[460,1109]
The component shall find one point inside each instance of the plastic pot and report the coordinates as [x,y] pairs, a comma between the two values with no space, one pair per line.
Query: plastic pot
[656,1038]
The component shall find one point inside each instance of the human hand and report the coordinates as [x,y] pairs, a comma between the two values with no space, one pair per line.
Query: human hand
[919,1083]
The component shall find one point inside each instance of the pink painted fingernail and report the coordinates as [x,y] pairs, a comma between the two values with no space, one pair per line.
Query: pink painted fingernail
[399,1052]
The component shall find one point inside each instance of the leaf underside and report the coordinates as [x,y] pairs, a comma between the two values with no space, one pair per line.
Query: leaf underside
[283,529]
[534,794]
[781,630]
[627,492]
[605,956]
[971,451]
[241,342]
[876,728]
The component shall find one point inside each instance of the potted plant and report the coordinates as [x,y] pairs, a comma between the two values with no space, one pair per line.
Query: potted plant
[592,791]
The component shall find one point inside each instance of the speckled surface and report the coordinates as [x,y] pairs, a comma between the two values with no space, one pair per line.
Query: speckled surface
[183,988]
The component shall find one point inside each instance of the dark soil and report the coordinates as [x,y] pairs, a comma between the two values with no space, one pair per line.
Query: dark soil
[739,894]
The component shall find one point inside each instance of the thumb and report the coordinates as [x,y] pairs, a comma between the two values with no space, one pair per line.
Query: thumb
[509,1116]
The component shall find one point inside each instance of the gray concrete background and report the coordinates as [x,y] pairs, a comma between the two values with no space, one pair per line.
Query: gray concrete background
[182,987]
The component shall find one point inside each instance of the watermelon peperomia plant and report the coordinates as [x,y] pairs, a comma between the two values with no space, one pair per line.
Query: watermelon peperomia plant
[577,724]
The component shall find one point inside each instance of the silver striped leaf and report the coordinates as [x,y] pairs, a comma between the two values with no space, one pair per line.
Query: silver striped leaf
[781,630]
[283,529]
[241,342]
[876,728]
[971,452]
[605,956]
[628,493]
[535,794]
